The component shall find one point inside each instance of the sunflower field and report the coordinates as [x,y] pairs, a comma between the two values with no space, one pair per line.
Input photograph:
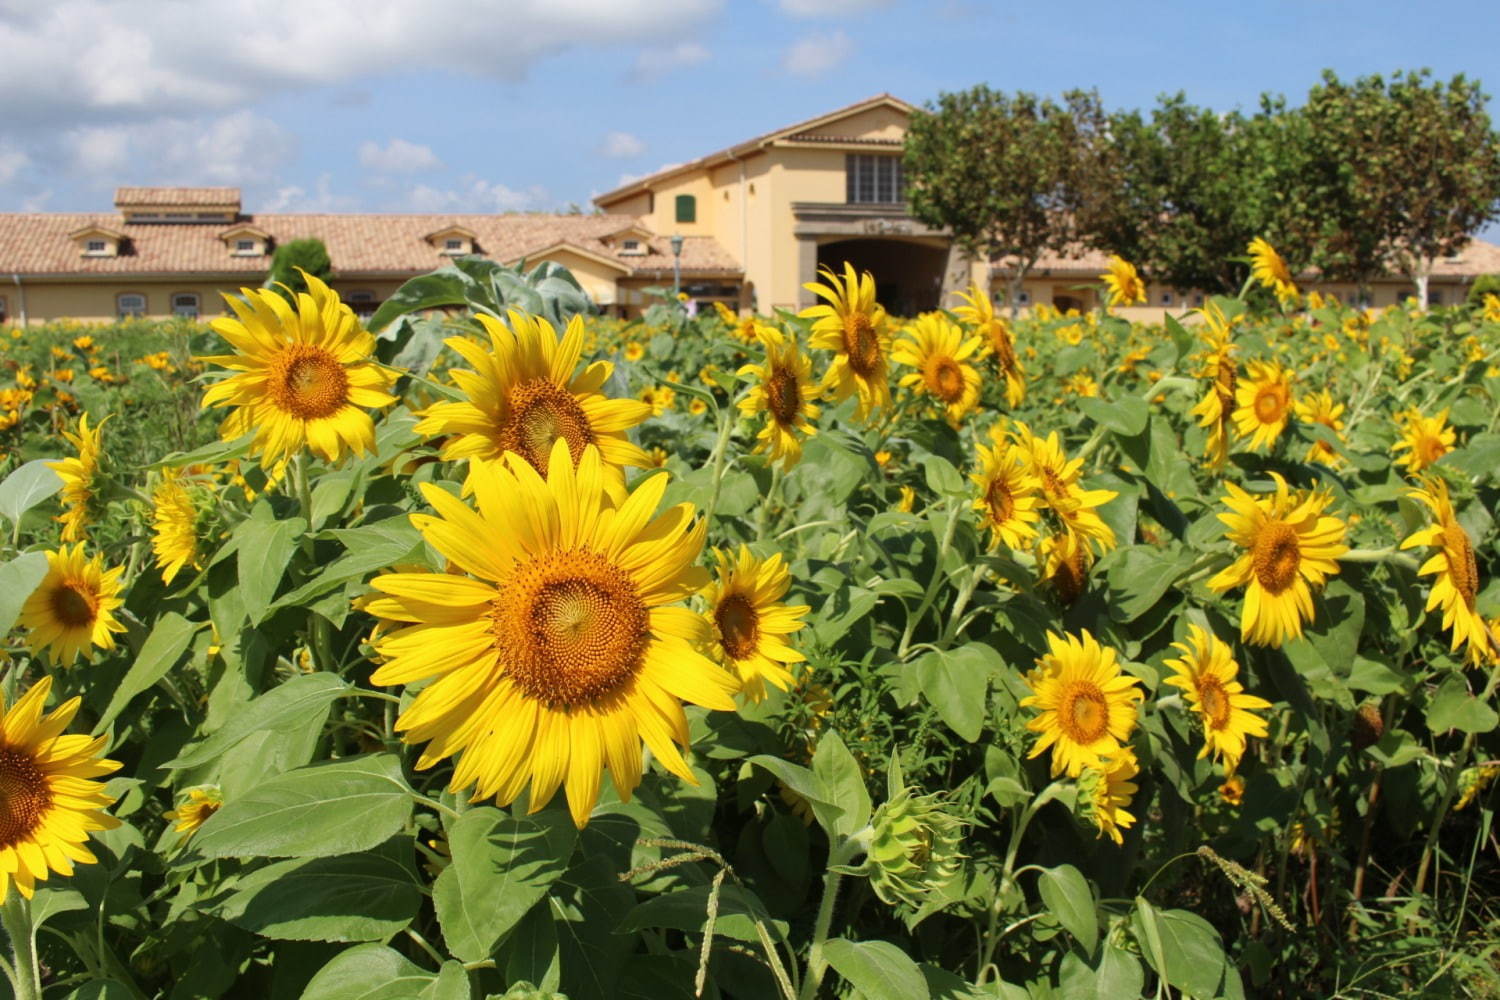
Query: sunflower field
[490,648]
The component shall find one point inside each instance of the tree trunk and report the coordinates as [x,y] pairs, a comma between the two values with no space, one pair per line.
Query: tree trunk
[1419,276]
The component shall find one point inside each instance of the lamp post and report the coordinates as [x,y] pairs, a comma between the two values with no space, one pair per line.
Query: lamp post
[676,264]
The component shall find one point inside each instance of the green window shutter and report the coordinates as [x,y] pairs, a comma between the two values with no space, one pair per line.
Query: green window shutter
[687,208]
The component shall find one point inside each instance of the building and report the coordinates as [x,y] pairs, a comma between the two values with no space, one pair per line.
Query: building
[756,220]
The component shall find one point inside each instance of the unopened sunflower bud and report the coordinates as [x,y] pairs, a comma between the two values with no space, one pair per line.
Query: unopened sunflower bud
[1367,727]
[914,848]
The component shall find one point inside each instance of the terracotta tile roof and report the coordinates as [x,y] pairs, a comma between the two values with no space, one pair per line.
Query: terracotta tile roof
[173,197]
[38,244]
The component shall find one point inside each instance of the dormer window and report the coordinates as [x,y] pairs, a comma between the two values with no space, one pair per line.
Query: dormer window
[97,241]
[244,247]
[453,245]
[96,248]
[632,248]
[245,240]
[453,241]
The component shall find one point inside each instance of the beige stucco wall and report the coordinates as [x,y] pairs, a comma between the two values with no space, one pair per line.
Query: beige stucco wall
[96,302]
[598,279]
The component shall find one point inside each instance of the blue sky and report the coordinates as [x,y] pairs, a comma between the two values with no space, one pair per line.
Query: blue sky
[467,105]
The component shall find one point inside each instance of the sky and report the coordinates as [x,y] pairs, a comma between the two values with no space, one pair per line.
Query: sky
[538,105]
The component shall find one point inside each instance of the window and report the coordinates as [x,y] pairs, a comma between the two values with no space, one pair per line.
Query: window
[3,313]
[453,245]
[1435,297]
[1197,298]
[874,180]
[96,247]
[245,248]
[687,208]
[632,247]
[130,304]
[1166,298]
[1023,298]
[362,302]
[185,304]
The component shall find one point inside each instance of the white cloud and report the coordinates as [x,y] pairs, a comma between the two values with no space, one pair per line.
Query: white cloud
[12,162]
[294,198]
[661,60]
[398,157]
[474,194]
[619,146]
[829,8]
[816,55]
[239,148]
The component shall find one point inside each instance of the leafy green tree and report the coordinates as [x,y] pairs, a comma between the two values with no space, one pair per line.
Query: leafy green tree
[308,254]
[1485,284]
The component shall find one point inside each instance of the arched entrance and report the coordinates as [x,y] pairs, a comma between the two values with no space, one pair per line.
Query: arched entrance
[908,275]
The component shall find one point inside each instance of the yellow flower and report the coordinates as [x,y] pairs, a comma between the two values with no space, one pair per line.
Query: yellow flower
[1424,439]
[697,407]
[935,346]
[742,327]
[1264,401]
[1215,410]
[1087,706]
[749,623]
[1008,497]
[882,458]
[525,393]
[73,607]
[561,650]
[659,398]
[85,343]
[1071,334]
[1232,791]
[1108,790]
[1206,672]
[78,476]
[51,801]
[1491,308]
[656,458]
[194,811]
[1065,562]
[1267,268]
[784,391]
[1456,570]
[1059,477]
[998,340]
[305,373]
[1319,408]
[852,324]
[908,500]
[1290,546]
[1081,384]
[174,523]
[634,350]
[1125,286]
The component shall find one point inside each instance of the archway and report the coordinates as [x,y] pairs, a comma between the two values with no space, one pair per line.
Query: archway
[908,276]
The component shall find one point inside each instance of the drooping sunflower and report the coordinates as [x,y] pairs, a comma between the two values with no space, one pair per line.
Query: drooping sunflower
[561,650]
[852,324]
[1125,285]
[1456,570]
[1319,408]
[50,802]
[174,525]
[1063,562]
[748,623]
[194,810]
[1268,268]
[1424,439]
[784,391]
[1076,508]
[79,495]
[998,340]
[1215,410]
[936,347]
[1087,706]
[1290,546]
[1207,674]
[1008,494]
[73,607]
[1264,403]
[1109,790]
[525,393]
[305,374]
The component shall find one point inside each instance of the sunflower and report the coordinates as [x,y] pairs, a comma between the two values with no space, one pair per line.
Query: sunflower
[1267,268]
[853,324]
[749,623]
[784,391]
[79,477]
[174,526]
[1214,411]
[1007,494]
[1108,790]
[560,651]
[1064,563]
[1206,672]
[1319,408]
[998,340]
[1424,439]
[1290,546]
[525,393]
[51,802]
[660,398]
[1076,508]
[1125,286]
[73,607]
[1087,706]
[1264,403]
[908,501]
[634,351]
[1232,791]
[742,327]
[1456,569]
[194,811]
[305,373]
[935,346]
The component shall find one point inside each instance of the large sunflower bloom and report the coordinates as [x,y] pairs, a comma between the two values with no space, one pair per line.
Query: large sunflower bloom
[525,393]
[783,389]
[852,324]
[1087,706]
[999,342]
[174,526]
[1457,571]
[305,373]
[1008,495]
[1267,268]
[78,476]
[935,346]
[1319,408]
[1206,672]
[1059,477]
[749,623]
[73,607]
[1290,546]
[1109,789]
[1125,285]
[559,652]
[50,801]
[1424,439]
[1264,401]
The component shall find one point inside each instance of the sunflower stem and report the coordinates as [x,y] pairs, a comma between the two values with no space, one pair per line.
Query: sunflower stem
[721,449]
[817,965]
[26,974]
[937,580]
[1389,554]
[772,495]
[317,625]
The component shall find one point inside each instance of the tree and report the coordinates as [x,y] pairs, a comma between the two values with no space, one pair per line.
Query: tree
[308,254]
[1003,173]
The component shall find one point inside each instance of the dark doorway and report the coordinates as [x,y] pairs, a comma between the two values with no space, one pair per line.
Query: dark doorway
[908,276]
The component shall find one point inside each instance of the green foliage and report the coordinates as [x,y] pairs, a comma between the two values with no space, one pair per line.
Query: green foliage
[292,257]
[1485,284]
